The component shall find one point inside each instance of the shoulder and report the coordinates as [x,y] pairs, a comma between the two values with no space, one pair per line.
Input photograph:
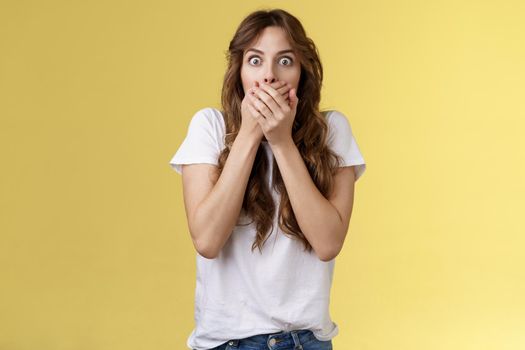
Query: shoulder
[337,123]
[209,119]
[335,118]
[210,116]
[208,122]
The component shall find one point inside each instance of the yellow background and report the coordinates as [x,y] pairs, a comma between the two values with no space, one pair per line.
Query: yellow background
[96,97]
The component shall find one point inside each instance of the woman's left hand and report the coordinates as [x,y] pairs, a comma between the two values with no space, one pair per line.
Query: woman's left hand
[276,116]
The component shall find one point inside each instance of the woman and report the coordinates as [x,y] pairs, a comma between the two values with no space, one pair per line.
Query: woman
[268,172]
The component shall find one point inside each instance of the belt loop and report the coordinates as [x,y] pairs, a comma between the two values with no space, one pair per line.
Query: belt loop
[297,343]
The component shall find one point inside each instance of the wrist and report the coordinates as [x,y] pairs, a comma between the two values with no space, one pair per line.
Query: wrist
[248,139]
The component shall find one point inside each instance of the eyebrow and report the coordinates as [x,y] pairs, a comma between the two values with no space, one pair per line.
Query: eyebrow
[262,53]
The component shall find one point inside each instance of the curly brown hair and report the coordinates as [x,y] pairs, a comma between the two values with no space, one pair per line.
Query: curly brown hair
[309,131]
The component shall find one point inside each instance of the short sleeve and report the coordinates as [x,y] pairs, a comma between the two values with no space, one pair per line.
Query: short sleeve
[342,141]
[201,144]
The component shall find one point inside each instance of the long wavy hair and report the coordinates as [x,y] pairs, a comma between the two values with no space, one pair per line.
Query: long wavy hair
[309,132]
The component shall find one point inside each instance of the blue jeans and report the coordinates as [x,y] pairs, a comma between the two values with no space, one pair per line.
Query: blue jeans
[302,339]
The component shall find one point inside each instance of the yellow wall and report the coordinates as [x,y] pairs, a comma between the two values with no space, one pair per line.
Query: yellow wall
[96,97]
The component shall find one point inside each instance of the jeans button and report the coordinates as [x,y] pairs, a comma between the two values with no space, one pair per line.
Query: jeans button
[272,342]
[230,343]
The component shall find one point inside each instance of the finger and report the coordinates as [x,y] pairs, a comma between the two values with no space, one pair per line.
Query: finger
[275,100]
[254,112]
[282,87]
[284,91]
[260,106]
[257,115]
[278,84]
[268,102]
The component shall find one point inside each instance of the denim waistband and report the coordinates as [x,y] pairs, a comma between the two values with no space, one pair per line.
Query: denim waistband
[276,340]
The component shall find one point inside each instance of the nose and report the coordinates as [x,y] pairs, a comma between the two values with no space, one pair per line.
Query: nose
[269,74]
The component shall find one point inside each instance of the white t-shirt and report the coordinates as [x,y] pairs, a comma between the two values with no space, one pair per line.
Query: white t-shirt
[241,293]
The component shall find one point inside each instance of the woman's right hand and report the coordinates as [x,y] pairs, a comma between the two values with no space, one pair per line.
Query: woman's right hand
[249,125]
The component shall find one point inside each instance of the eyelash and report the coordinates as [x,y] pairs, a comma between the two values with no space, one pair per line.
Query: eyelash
[287,57]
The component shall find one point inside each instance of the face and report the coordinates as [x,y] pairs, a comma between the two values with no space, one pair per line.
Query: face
[263,60]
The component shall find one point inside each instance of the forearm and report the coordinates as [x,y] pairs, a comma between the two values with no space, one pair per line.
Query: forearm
[318,219]
[218,213]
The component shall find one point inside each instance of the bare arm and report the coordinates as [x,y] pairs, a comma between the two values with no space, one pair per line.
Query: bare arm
[323,221]
[213,206]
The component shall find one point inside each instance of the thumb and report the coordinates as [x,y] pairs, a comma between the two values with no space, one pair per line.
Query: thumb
[293,98]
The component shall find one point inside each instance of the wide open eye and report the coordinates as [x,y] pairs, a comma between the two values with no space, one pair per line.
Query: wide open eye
[287,59]
[253,58]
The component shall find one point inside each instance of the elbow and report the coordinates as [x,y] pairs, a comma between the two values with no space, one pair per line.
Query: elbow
[329,254]
[204,249]
[332,249]
[327,257]
[207,254]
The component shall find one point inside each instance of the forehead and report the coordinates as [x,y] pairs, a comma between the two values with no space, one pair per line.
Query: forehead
[271,40]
